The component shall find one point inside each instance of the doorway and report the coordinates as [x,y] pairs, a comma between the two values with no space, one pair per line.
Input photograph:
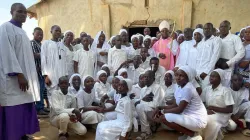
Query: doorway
[135,30]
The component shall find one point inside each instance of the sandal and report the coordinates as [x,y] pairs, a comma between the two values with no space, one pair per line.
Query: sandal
[144,136]
[246,132]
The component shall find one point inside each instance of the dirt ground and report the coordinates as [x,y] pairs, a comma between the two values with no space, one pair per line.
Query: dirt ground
[49,132]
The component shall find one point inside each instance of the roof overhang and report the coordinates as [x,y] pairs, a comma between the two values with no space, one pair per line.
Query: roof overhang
[32,9]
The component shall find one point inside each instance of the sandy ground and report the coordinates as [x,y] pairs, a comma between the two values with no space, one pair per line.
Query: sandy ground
[49,132]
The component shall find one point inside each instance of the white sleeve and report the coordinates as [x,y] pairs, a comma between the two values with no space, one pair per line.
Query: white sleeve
[228,97]
[8,52]
[240,52]
[128,117]
[97,92]
[175,47]
[186,95]
[80,101]
[44,66]
[215,56]
[109,59]
[76,57]
[57,105]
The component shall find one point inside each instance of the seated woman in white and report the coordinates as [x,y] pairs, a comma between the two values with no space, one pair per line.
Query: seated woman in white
[241,108]
[219,103]
[75,84]
[109,101]
[188,114]
[85,98]
[101,87]
[169,88]
[105,67]
[64,113]
[118,128]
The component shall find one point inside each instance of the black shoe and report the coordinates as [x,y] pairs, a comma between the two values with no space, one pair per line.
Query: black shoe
[46,109]
[42,114]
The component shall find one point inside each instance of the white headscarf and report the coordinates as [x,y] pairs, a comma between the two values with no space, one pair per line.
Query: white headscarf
[134,36]
[100,72]
[105,65]
[119,77]
[140,35]
[153,38]
[121,71]
[110,40]
[198,30]
[146,37]
[191,73]
[170,72]
[221,74]
[129,84]
[180,36]
[122,30]
[71,78]
[65,33]
[96,41]
[84,78]
[164,24]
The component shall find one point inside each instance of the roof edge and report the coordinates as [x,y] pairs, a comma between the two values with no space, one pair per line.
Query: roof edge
[32,9]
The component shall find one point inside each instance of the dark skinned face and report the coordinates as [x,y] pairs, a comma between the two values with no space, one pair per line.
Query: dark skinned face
[197,37]
[63,85]
[149,78]
[118,41]
[224,28]
[69,37]
[164,33]
[56,32]
[180,39]
[242,33]
[115,83]
[168,79]
[124,75]
[214,78]
[247,34]
[188,34]
[103,78]
[147,43]
[101,38]
[89,83]
[208,30]
[76,81]
[135,43]
[146,31]
[236,82]
[82,35]
[124,37]
[38,35]
[141,80]
[85,42]
[181,78]
[137,61]
[155,65]
[122,87]
[19,13]
[144,52]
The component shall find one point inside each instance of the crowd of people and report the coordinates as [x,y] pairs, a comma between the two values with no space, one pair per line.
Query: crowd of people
[195,82]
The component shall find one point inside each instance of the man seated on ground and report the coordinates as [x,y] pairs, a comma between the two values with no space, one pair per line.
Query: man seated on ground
[64,114]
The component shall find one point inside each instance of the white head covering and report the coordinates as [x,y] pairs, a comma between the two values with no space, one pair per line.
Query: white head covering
[105,65]
[140,35]
[198,30]
[134,36]
[122,30]
[221,74]
[84,78]
[153,38]
[110,40]
[146,37]
[119,77]
[170,72]
[65,33]
[242,29]
[164,24]
[96,41]
[100,72]
[121,71]
[71,78]
[191,73]
[129,84]
[180,36]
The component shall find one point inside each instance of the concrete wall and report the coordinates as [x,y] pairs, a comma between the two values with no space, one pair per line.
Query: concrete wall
[111,15]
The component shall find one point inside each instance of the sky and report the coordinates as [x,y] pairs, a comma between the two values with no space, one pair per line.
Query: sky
[5,5]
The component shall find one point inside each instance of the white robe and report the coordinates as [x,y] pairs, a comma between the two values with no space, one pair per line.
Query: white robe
[51,64]
[70,62]
[112,130]
[16,56]
[115,58]
[101,89]
[184,52]
[86,62]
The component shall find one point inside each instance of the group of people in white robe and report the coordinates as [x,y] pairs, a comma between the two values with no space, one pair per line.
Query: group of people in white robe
[118,85]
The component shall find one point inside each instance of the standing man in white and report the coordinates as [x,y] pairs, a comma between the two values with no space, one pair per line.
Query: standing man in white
[232,51]
[19,85]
